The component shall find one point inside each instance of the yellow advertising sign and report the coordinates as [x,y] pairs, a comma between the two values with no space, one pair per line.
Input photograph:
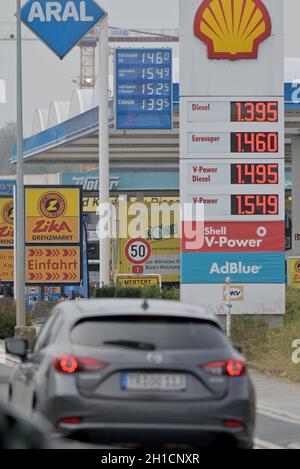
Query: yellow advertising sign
[53,265]
[91,204]
[6,265]
[137,281]
[294,272]
[161,229]
[164,259]
[6,222]
[52,215]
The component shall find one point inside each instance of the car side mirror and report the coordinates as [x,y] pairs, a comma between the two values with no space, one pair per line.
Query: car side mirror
[17,347]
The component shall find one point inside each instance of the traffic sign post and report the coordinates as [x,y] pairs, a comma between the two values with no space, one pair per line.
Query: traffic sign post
[60,25]
[20,218]
[104,212]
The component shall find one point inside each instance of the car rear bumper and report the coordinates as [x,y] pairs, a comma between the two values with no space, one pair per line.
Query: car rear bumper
[142,422]
[158,434]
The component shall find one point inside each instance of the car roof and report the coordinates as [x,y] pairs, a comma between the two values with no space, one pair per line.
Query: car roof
[76,310]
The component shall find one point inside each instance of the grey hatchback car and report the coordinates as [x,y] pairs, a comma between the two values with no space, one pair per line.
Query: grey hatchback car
[137,372]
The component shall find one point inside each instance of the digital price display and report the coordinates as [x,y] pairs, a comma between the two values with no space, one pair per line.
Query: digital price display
[254,173]
[254,204]
[254,142]
[254,111]
[144,89]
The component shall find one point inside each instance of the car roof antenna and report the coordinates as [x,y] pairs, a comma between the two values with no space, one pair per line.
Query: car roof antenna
[145,304]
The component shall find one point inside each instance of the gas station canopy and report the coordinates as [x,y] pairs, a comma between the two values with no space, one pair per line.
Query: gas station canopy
[75,139]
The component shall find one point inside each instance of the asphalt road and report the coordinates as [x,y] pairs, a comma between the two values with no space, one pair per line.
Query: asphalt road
[275,429]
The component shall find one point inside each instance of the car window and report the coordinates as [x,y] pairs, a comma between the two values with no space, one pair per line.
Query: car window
[46,333]
[164,333]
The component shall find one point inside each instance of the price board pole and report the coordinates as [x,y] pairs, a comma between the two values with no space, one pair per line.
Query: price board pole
[104,151]
[20,228]
[229,306]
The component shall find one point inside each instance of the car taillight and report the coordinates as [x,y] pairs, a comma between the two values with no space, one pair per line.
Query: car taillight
[70,420]
[233,368]
[70,365]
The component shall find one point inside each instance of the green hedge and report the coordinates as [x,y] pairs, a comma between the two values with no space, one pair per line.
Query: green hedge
[154,292]
[8,318]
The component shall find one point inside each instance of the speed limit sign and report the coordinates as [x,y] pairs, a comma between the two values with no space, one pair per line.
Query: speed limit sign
[138,251]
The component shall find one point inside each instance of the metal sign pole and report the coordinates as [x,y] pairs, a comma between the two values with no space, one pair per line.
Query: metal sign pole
[229,306]
[104,148]
[20,220]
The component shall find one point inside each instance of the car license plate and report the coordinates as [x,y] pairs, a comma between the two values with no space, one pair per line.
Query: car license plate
[153,382]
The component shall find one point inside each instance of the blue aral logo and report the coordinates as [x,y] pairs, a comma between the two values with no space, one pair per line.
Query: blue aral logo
[61,24]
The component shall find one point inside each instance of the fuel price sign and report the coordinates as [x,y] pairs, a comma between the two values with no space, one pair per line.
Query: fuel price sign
[143,81]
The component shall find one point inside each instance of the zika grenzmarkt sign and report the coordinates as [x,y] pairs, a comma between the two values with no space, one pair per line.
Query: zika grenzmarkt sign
[53,215]
[53,235]
[6,222]
[61,24]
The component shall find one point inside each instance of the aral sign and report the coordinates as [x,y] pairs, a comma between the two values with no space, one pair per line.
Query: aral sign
[61,24]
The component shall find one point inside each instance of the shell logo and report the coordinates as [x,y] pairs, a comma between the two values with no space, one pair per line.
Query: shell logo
[232,29]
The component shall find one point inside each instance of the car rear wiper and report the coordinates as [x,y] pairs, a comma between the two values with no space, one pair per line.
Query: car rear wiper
[131,344]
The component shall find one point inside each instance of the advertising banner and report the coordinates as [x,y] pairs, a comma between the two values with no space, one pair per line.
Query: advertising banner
[233,236]
[294,272]
[52,215]
[214,268]
[6,265]
[6,221]
[53,265]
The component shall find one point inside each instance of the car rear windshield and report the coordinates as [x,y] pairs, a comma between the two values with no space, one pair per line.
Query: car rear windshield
[163,333]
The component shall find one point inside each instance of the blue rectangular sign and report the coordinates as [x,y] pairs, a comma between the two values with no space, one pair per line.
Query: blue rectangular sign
[214,268]
[7,187]
[144,90]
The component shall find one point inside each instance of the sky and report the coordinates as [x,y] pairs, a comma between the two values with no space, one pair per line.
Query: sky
[47,79]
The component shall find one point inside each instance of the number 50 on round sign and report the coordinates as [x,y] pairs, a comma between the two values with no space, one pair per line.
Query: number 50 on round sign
[138,251]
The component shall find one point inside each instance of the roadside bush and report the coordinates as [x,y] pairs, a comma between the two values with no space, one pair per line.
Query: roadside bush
[253,335]
[270,349]
[8,318]
[107,291]
[292,306]
[128,292]
[110,291]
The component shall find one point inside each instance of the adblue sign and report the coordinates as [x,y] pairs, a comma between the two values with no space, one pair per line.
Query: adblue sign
[61,24]
[242,268]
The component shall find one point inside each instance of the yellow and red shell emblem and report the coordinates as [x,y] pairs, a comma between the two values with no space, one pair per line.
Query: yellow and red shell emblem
[232,29]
